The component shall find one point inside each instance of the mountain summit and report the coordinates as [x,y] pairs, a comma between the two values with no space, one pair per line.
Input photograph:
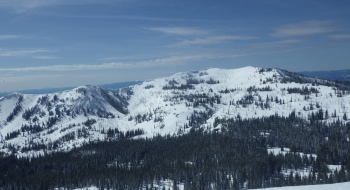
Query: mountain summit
[35,124]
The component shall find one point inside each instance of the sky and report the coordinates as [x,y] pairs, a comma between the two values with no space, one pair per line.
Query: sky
[60,43]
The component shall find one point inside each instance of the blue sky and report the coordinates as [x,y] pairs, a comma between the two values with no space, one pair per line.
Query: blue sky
[58,43]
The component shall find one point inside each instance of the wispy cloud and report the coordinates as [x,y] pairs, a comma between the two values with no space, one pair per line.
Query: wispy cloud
[113,65]
[19,53]
[20,6]
[124,57]
[274,44]
[45,57]
[23,5]
[211,40]
[6,37]
[305,28]
[169,61]
[340,37]
[198,36]
[181,31]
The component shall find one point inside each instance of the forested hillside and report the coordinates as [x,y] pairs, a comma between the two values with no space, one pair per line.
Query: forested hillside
[212,129]
[235,158]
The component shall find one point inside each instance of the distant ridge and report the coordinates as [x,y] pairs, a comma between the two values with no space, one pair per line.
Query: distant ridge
[60,89]
[341,75]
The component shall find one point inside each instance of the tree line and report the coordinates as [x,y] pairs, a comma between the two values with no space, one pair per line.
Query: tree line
[234,158]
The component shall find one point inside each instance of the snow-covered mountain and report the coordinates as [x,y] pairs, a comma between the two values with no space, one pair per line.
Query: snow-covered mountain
[34,124]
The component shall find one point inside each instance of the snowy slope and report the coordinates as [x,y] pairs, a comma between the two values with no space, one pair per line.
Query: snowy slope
[336,186]
[34,124]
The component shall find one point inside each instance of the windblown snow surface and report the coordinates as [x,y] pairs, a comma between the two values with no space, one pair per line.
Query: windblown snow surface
[33,124]
[337,186]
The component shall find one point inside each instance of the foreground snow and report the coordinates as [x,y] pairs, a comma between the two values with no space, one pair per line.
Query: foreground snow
[167,184]
[337,186]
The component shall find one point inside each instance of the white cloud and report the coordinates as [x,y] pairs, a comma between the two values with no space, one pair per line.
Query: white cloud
[181,31]
[198,36]
[275,44]
[340,37]
[211,40]
[18,53]
[113,65]
[44,57]
[124,57]
[20,6]
[305,28]
[23,5]
[173,60]
[6,37]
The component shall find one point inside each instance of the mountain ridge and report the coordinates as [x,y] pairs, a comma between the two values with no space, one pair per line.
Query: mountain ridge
[61,89]
[34,124]
[340,75]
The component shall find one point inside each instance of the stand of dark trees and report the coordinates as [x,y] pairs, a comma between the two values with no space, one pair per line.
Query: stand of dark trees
[234,158]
